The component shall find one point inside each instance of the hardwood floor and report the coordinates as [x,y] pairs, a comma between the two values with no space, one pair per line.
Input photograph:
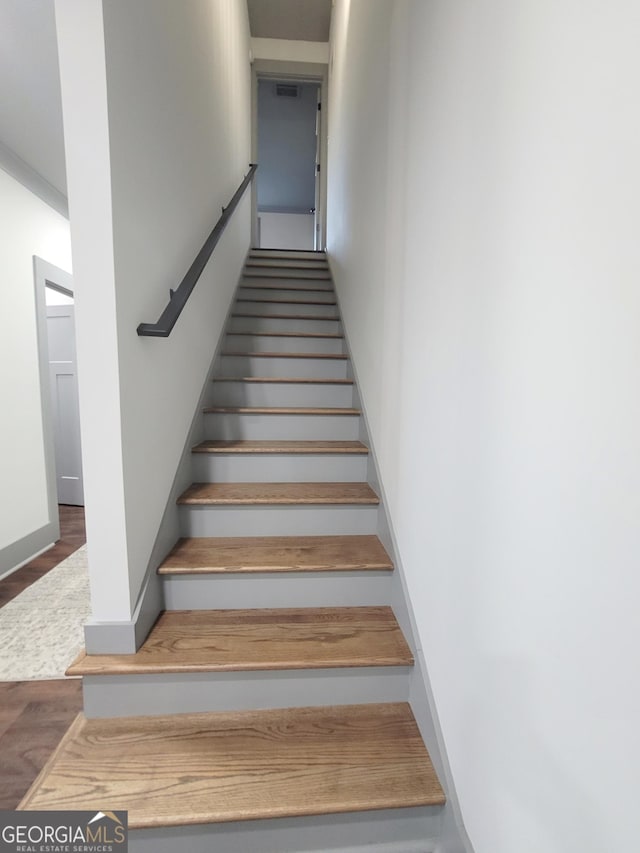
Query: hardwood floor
[34,715]
[72,536]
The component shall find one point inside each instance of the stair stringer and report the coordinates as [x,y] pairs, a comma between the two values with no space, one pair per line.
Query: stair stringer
[453,838]
[127,637]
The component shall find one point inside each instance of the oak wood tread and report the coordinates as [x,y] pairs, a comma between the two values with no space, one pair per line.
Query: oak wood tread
[275,252]
[223,554]
[297,380]
[321,262]
[187,769]
[332,335]
[184,641]
[330,356]
[284,273]
[283,494]
[252,263]
[290,302]
[279,410]
[286,316]
[289,287]
[290,447]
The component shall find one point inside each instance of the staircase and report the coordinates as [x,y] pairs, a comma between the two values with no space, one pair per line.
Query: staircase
[267,710]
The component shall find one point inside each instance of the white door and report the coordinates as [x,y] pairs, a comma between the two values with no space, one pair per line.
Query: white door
[64,403]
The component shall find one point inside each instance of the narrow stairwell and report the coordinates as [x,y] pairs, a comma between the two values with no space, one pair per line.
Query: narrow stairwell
[267,709]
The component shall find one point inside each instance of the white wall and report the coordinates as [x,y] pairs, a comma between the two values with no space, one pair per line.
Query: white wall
[172,145]
[28,227]
[494,315]
[286,230]
[290,50]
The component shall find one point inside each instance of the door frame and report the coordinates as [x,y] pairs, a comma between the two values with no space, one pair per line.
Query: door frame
[296,72]
[46,274]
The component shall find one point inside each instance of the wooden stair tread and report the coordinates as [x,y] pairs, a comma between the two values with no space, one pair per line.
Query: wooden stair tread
[320,266]
[332,335]
[285,494]
[286,316]
[222,554]
[290,263]
[284,273]
[289,287]
[300,380]
[204,768]
[263,446]
[275,252]
[279,410]
[290,302]
[339,356]
[238,640]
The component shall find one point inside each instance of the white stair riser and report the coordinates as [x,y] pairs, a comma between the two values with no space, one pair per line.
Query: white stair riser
[278,324]
[279,589]
[281,394]
[276,520]
[275,367]
[307,368]
[323,294]
[278,468]
[270,343]
[407,830]
[282,427]
[289,255]
[281,307]
[190,693]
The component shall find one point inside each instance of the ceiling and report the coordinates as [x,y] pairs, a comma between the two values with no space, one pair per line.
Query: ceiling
[30,101]
[307,20]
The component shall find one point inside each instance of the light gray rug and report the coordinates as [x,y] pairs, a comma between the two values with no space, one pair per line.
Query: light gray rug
[41,629]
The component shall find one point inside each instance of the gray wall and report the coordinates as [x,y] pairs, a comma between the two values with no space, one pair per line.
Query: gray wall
[286,149]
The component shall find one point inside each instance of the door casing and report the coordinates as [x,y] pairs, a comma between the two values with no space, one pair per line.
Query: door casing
[298,72]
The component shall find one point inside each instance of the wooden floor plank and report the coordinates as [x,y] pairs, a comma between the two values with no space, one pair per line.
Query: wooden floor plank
[72,537]
[262,639]
[203,768]
[220,554]
[226,494]
[34,716]
[237,446]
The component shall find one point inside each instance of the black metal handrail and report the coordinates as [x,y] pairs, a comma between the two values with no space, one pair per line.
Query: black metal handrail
[178,298]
